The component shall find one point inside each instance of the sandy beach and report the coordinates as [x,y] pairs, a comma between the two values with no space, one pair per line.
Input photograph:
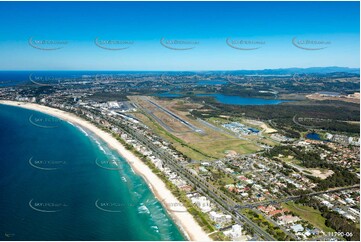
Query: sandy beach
[179,214]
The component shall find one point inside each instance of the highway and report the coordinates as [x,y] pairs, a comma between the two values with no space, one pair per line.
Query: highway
[273,222]
[213,193]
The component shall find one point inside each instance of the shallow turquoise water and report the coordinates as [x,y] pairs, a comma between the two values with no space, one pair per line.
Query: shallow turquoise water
[58,182]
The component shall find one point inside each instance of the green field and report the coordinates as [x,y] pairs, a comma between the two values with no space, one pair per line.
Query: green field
[309,214]
[212,146]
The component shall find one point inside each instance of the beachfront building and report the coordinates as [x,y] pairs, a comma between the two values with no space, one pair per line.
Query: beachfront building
[220,217]
[235,233]
[203,203]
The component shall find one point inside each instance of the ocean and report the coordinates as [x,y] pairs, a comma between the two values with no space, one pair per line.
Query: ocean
[60,182]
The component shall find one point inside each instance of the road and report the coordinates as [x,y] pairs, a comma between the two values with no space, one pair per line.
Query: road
[214,194]
[291,198]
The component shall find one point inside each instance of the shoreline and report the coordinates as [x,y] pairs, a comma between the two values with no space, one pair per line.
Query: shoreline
[183,219]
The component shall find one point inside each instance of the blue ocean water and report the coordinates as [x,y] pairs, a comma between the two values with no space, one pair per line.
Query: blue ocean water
[236,100]
[14,78]
[58,182]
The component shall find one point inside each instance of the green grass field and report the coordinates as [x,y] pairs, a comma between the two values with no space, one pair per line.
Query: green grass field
[210,147]
[309,214]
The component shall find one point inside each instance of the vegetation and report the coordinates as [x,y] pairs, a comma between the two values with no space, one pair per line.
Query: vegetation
[333,219]
[211,146]
[309,214]
[310,159]
[331,115]
[186,149]
[200,217]
[261,221]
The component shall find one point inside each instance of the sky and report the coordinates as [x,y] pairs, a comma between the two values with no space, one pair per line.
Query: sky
[172,36]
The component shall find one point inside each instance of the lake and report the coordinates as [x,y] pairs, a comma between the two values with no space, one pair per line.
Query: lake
[236,100]
[314,136]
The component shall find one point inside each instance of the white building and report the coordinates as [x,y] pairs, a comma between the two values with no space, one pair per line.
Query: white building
[297,228]
[203,203]
[113,104]
[237,230]
[220,217]
[235,233]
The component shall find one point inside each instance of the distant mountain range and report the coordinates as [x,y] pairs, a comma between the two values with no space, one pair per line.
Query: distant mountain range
[286,71]
[279,71]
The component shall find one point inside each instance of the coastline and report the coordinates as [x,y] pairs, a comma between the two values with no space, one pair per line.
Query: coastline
[183,219]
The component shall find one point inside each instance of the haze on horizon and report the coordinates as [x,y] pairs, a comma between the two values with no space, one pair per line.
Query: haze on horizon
[147,29]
